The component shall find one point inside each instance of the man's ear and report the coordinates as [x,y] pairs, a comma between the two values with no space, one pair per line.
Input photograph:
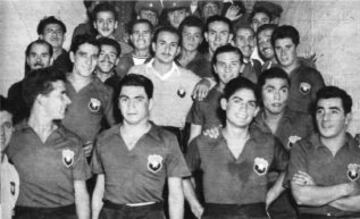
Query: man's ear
[348,118]
[153,45]
[117,61]
[178,50]
[223,104]
[206,36]
[231,36]
[72,58]
[151,104]
[41,36]
[257,110]
[116,25]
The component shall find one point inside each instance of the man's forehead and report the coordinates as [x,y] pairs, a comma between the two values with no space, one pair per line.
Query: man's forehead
[107,48]
[53,26]
[132,90]
[88,47]
[168,37]
[228,56]
[276,81]
[191,29]
[284,41]
[219,25]
[244,93]
[39,47]
[245,31]
[330,103]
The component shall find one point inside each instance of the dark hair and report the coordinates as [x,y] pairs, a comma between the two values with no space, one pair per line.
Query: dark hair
[285,31]
[140,21]
[260,10]
[138,81]
[224,49]
[266,27]
[28,49]
[191,21]
[334,92]
[218,18]
[49,20]
[110,42]
[40,81]
[5,104]
[239,83]
[169,29]
[104,7]
[82,39]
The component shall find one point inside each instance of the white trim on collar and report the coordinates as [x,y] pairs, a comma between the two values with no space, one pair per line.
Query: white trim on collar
[174,69]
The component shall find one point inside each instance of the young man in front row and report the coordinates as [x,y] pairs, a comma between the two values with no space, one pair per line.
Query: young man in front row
[235,164]
[49,159]
[324,169]
[134,159]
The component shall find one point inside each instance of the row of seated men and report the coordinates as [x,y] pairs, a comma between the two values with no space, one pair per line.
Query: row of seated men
[242,159]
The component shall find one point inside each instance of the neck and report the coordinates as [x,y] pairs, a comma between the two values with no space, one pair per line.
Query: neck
[162,68]
[334,143]
[290,68]
[41,123]
[236,132]
[135,129]
[211,53]
[188,54]
[221,86]
[57,52]
[271,117]
[79,81]
[103,76]
[142,53]
[246,59]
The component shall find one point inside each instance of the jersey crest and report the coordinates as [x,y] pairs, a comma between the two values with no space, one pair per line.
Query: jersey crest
[154,163]
[305,88]
[260,166]
[292,140]
[94,105]
[68,157]
[353,172]
[181,92]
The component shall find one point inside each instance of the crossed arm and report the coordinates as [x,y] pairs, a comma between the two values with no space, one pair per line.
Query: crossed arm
[82,200]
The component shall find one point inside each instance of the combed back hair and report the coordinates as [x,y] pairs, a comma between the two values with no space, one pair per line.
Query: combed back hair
[169,29]
[285,31]
[104,7]
[218,18]
[110,42]
[191,21]
[266,27]
[224,49]
[137,81]
[334,92]
[274,72]
[5,104]
[40,81]
[49,20]
[82,39]
[260,10]
[237,84]
[38,41]
[140,21]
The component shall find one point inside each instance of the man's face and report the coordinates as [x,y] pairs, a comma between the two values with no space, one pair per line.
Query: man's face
[191,38]
[141,36]
[285,51]
[166,47]
[218,35]
[210,9]
[56,101]
[241,108]
[150,16]
[264,44]
[53,34]
[177,16]
[105,23]
[108,58]
[134,104]
[259,19]
[39,56]
[275,93]
[245,41]
[6,129]
[85,59]
[330,117]
[227,66]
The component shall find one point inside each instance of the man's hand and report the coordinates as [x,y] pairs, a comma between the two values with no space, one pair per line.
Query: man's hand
[201,89]
[88,146]
[232,13]
[213,132]
[197,210]
[302,178]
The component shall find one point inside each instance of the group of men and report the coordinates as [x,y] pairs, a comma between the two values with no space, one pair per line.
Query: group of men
[214,107]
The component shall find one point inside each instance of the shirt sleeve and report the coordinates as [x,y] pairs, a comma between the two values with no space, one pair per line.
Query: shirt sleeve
[96,164]
[297,162]
[317,83]
[175,162]
[81,169]
[193,156]
[196,116]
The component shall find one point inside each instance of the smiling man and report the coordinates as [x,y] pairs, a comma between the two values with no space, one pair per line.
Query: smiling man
[324,169]
[305,81]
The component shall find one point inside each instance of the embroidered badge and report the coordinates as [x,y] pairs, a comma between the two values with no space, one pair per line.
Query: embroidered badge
[94,105]
[151,5]
[181,92]
[68,157]
[292,140]
[12,188]
[305,88]
[154,163]
[260,166]
[353,171]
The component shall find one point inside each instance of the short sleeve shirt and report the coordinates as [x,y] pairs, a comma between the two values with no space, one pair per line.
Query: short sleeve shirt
[305,83]
[172,93]
[207,112]
[88,107]
[47,170]
[311,156]
[201,66]
[137,175]
[293,126]
[228,180]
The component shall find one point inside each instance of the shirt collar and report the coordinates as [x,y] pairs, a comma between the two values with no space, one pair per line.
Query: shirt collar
[349,141]
[174,70]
